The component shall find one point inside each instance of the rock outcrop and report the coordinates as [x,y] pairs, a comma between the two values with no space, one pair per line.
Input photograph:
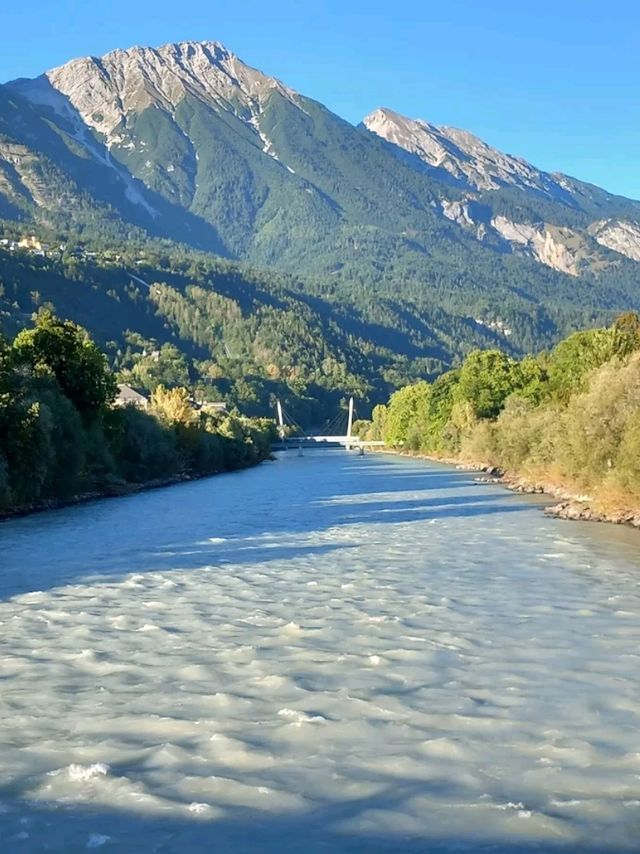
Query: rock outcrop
[465,156]
[481,169]
[579,511]
[619,235]
[106,91]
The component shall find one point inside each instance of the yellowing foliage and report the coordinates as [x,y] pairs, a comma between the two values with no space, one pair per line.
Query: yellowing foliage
[173,405]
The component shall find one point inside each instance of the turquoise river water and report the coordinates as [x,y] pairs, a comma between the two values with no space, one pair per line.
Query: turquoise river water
[328,653]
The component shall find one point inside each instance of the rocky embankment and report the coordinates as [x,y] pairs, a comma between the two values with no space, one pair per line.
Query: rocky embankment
[578,508]
[583,512]
[117,489]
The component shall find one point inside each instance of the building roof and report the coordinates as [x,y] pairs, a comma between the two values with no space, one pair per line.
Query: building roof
[212,407]
[127,395]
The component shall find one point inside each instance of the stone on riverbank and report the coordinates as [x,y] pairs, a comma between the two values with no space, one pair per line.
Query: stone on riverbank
[579,511]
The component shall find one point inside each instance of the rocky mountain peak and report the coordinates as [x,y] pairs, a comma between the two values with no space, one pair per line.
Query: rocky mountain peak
[105,90]
[465,156]
[190,130]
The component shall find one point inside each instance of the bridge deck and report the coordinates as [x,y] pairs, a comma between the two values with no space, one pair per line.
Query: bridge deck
[328,441]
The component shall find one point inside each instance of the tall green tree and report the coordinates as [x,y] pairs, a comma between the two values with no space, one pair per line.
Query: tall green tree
[486,379]
[64,349]
[406,414]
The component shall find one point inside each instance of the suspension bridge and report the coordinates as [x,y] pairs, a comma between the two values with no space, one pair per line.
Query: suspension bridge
[330,435]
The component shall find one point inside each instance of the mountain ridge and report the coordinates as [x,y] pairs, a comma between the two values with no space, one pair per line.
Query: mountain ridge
[137,77]
[436,145]
[187,142]
[479,169]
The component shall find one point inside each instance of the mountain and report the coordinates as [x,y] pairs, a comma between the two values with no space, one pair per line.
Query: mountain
[561,222]
[468,159]
[169,314]
[425,234]
[267,174]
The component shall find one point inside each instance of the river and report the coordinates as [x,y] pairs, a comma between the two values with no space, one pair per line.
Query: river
[328,653]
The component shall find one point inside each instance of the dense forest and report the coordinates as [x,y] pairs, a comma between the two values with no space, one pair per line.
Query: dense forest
[568,418]
[60,435]
[166,313]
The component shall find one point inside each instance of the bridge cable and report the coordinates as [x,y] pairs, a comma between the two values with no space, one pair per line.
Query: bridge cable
[329,426]
[292,422]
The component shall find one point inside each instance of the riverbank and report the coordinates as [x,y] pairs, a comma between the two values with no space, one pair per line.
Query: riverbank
[117,489]
[570,505]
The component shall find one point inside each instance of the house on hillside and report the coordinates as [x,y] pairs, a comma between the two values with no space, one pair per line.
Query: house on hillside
[30,242]
[217,406]
[128,396]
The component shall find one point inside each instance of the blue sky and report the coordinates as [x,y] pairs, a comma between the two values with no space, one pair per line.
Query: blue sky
[555,82]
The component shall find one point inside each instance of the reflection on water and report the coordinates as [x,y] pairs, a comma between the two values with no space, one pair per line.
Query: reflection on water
[327,653]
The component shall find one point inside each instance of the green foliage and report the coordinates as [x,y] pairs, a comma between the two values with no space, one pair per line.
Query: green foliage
[626,334]
[406,413]
[572,417]
[378,423]
[533,380]
[146,449]
[571,362]
[59,436]
[63,349]
[169,315]
[165,365]
[25,446]
[486,379]
[5,492]
[437,436]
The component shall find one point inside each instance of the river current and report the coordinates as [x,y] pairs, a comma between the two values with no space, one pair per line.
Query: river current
[328,653]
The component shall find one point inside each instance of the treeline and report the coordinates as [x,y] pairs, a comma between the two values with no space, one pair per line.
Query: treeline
[61,436]
[249,336]
[570,417]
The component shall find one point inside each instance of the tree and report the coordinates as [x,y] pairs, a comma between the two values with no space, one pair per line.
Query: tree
[533,380]
[63,349]
[443,394]
[378,423]
[626,334]
[576,357]
[5,491]
[487,378]
[173,405]
[406,414]
[165,365]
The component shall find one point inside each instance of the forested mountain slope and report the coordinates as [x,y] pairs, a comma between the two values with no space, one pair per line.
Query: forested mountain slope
[271,176]
[246,334]
[406,245]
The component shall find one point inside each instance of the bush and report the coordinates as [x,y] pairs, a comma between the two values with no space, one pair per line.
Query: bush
[626,470]
[5,492]
[147,449]
[572,416]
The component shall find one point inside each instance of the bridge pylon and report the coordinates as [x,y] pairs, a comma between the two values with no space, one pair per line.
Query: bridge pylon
[350,423]
[281,428]
[303,439]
